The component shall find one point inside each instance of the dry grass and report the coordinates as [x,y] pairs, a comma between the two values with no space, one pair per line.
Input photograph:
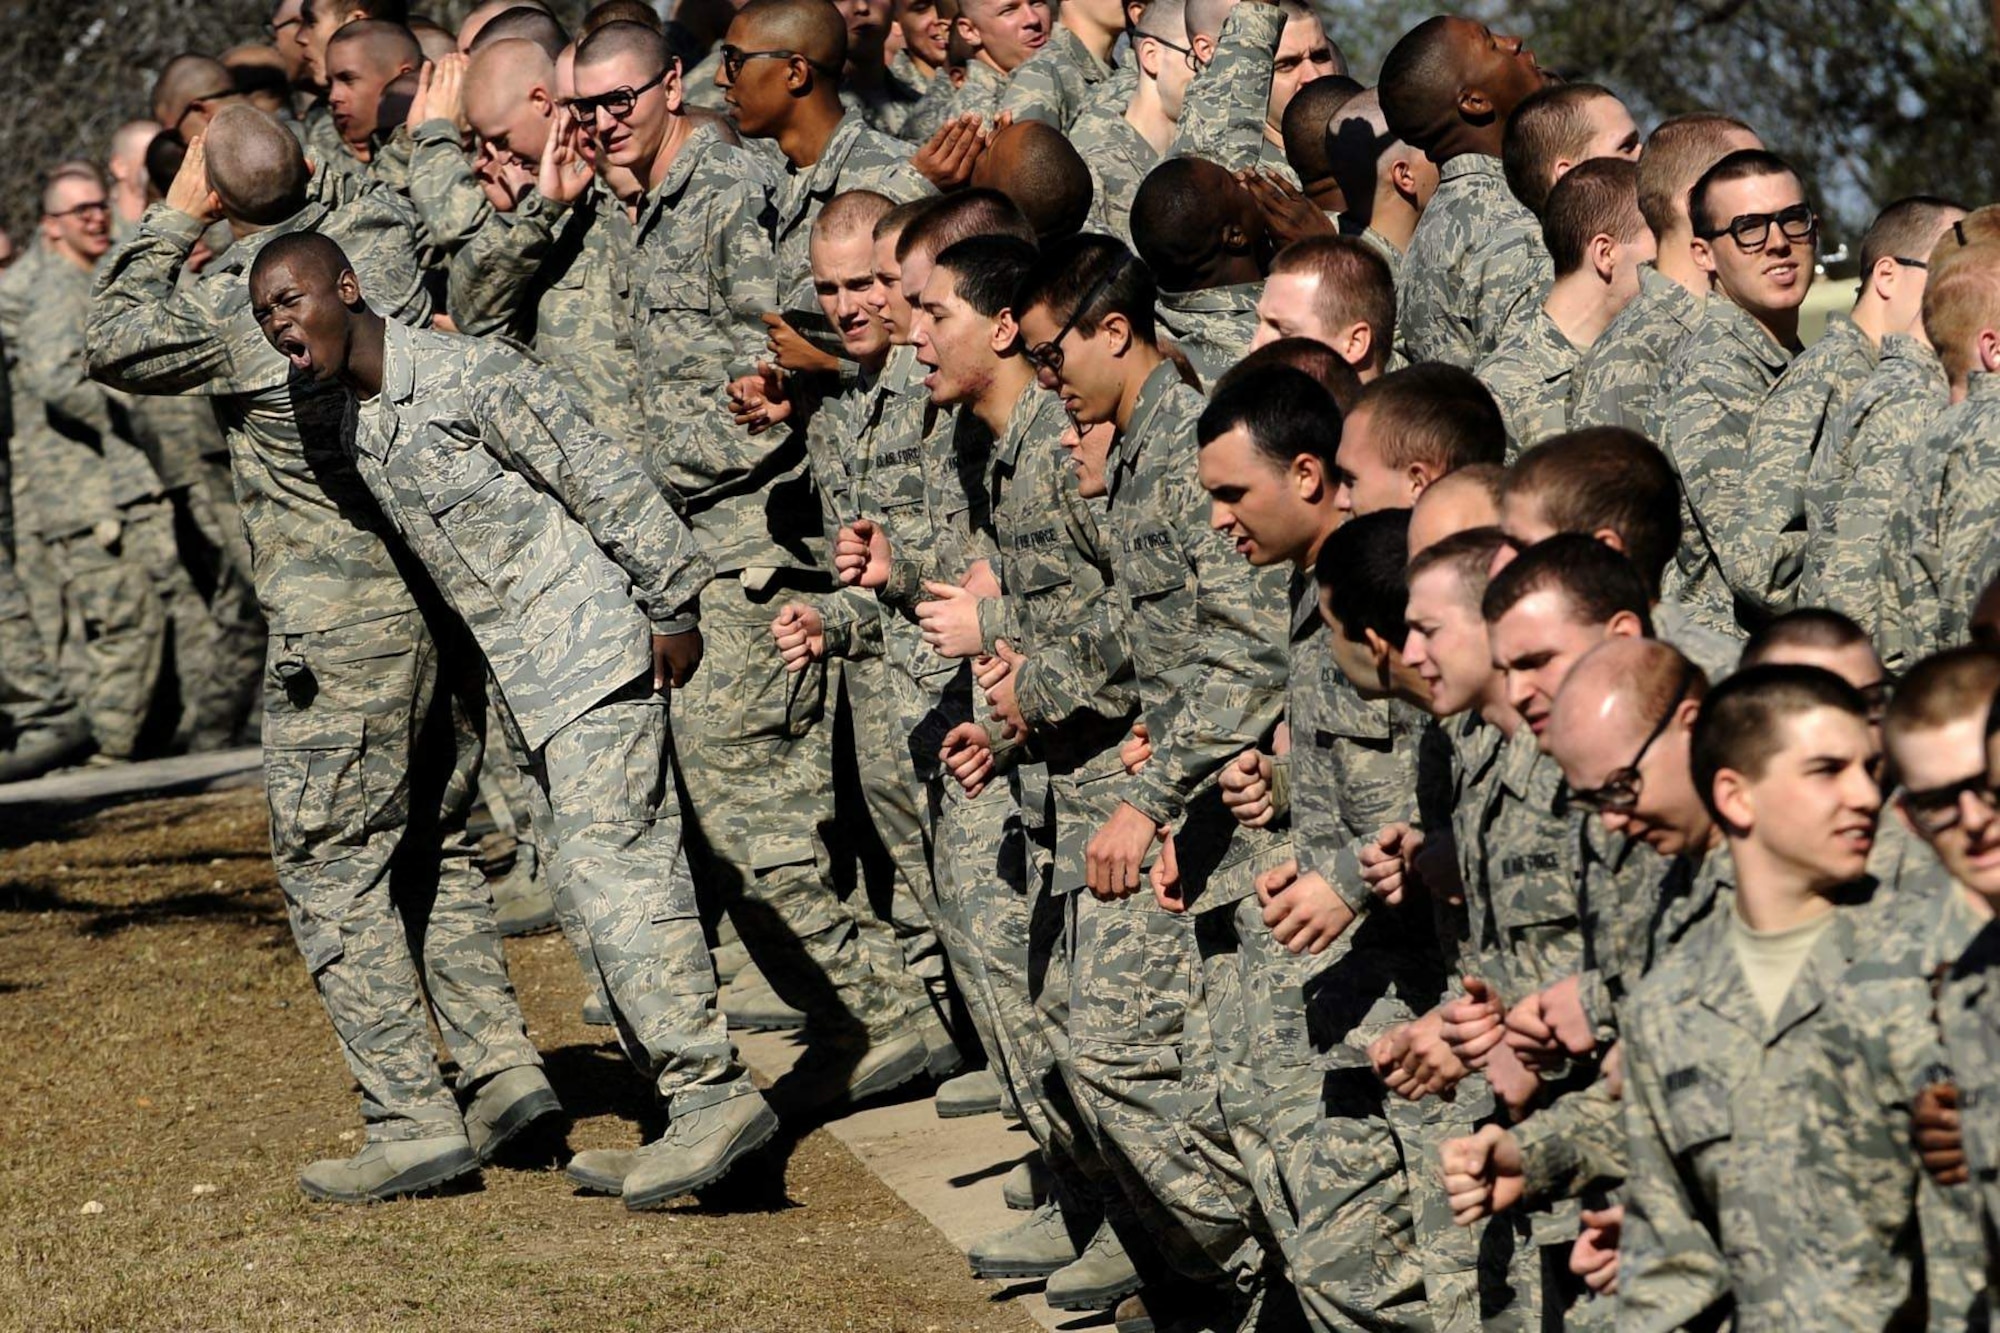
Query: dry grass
[162,1036]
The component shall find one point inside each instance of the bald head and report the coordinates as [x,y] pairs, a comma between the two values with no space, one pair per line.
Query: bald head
[311,261]
[255,166]
[187,91]
[851,213]
[502,76]
[1204,17]
[1037,167]
[387,49]
[1626,681]
[813,28]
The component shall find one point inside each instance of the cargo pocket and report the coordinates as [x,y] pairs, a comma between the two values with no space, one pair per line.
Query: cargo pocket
[314,781]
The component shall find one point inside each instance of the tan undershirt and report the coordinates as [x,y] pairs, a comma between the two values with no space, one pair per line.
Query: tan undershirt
[1771,959]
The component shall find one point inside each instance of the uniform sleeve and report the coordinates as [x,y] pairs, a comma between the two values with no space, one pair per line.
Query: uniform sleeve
[446,194]
[1763,523]
[1671,1273]
[1709,416]
[145,335]
[1228,102]
[1086,669]
[1574,1144]
[1033,93]
[1968,558]
[538,430]
[491,272]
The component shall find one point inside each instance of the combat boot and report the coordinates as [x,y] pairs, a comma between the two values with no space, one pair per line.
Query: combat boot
[751,1005]
[698,1149]
[730,958]
[1035,1248]
[945,1058]
[389,1170]
[506,1106]
[1027,1185]
[602,1170]
[1101,1276]
[523,903]
[837,1072]
[976,1093]
[39,750]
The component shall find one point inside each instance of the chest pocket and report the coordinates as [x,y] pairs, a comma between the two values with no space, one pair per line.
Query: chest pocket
[1698,1118]
[456,468]
[1035,567]
[681,290]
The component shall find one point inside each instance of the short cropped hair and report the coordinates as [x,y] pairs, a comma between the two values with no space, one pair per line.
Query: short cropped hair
[959,216]
[1550,126]
[1742,724]
[1742,165]
[1285,413]
[1606,477]
[1308,355]
[1596,198]
[1355,285]
[1306,120]
[1072,271]
[1906,229]
[1677,153]
[1961,298]
[1361,568]
[1803,627]
[1595,581]
[987,270]
[1946,688]
[1469,557]
[1435,414]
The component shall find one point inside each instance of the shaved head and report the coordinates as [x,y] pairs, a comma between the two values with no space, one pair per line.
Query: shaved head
[481,15]
[129,142]
[813,28]
[1036,166]
[1623,681]
[644,45]
[189,80]
[849,213]
[384,46]
[525,22]
[255,167]
[502,75]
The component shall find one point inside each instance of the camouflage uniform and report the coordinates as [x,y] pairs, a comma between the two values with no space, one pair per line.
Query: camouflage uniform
[1119,157]
[1476,257]
[1968,504]
[1854,491]
[1391,256]
[1212,327]
[1771,1164]
[1056,83]
[696,271]
[443,188]
[32,695]
[1528,372]
[99,506]
[1715,382]
[370,854]
[1761,553]
[544,273]
[1206,633]
[1968,1010]
[890,107]
[979,95]
[1715,651]
[1617,381]
[1369,1241]
[698,86]
[468,448]
[1225,115]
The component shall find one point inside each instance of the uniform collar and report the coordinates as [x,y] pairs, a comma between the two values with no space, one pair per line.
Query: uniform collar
[1471,164]
[1152,394]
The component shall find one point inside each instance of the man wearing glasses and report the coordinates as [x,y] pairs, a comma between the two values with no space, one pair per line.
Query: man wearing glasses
[1762,557]
[1756,238]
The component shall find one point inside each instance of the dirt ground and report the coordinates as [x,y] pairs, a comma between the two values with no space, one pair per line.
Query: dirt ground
[169,1070]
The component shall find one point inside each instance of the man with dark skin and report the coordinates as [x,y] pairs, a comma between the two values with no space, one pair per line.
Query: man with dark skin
[1447,88]
[1200,232]
[1042,172]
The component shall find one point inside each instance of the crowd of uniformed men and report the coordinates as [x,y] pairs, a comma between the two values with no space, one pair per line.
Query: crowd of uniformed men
[1359,659]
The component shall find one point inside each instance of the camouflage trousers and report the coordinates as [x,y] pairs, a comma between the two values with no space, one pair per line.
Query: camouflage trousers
[369,767]
[1145,1062]
[31,692]
[235,659]
[880,702]
[603,789]
[137,640]
[756,770]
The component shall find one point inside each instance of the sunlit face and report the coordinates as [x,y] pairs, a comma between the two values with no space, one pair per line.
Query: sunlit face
[1813,809]
[1268,509]
[843,276]
[354,85]
[1534,646]
[1006,32]
[1446,642]
[760,96]
[925,30]
[1500,65]
[1172,76]
[632,140]
[1613,133]
[1934,760]
[1766,279]
[886,298]
[321,19]
[1092,380]
[953,340]
[1304,54]
[1289,308]
[77,220]
[516,129]
[305,316]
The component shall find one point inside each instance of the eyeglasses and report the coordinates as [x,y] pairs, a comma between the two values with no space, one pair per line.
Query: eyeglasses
[619,101]
[735,58]
[1936,810]
[271,30]
[1751,231]
[1048,357]
[1620,792]
[84,209]
[1902,262]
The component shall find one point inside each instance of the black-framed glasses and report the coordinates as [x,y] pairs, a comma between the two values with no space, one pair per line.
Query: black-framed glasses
[734,58]
[619,101]
[1903,261]
[1936,810]
[1620,792]
[271,30]
[194,102]
[84,209]
[1752,231]
[1048,357]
